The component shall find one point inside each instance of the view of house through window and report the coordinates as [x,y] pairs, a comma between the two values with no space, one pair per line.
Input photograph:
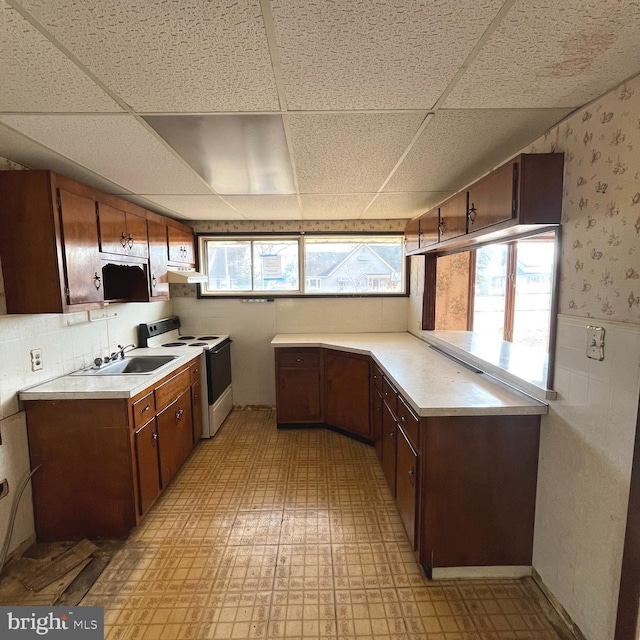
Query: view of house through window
[304,265]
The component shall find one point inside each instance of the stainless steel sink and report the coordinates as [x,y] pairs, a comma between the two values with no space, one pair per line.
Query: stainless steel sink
[134,365]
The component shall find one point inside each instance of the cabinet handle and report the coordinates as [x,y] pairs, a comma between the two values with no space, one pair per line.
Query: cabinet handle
[298,359]
[97,280]
[130,241]
[123,239]
[196,371]
[145,409]
[472,213]
[154,438]
[154,281]
[179,413]
[442,225]
[412,473]
[392,435]
[403,419]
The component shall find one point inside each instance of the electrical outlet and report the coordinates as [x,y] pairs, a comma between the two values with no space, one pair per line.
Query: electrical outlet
[36,359]
[595,343]
[4,488]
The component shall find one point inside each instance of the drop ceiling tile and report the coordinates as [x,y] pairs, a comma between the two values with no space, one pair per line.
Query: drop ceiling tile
[553,54]
[172,56]
[36,76]
[459,145]
[266,207]
[32,155]
[374,55]
[348,152]
[196,207]
[116,147]
[404,205]
[334,207]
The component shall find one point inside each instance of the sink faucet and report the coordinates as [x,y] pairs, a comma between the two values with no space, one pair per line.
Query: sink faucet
[122,349]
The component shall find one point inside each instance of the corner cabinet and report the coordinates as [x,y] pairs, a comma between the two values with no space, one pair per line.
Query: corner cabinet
[299,386]
[522,195]
[104,462]
[68,247]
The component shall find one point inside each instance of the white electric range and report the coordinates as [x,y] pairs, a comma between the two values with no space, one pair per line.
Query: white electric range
[215,355]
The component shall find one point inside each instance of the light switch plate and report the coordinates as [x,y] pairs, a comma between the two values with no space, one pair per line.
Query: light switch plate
[595,343]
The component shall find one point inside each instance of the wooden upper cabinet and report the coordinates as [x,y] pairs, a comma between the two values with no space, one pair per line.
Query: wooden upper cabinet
[429,228]
[158,283]
[411,236]
[181,244]
[122,232]
[494,199]
[453,217]
[82,265]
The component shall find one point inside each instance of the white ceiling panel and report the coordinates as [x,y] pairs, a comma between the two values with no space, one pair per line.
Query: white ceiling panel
[196,207]
[32,155]
[116,147]
[266,207]
[375,55]
[348,152]
[459,145]
[404,205]
[334,207]
[36,76]
[553,54]
[172,56]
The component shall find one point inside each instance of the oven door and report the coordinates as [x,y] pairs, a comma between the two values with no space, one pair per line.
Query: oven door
[218,370]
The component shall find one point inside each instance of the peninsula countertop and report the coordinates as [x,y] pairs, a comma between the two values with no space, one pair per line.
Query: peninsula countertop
[80,387]
[434,384]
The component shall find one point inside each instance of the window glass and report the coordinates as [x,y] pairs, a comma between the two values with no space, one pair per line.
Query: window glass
[228,265]
[275,265]
[354,264]
[534,289]
[490,289]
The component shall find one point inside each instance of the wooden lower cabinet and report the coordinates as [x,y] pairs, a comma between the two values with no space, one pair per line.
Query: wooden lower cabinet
[376,421]
[406,484]
[299,386]
[347,387]
[389,435]
[196,410]
[148,472]
[103,462]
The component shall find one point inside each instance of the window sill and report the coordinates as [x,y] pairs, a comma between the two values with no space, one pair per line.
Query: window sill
[519,366]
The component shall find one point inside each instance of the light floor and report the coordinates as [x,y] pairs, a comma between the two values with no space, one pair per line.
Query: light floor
[292,534]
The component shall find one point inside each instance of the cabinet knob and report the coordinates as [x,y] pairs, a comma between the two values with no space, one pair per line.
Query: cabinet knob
[412,473]
[179,413]
[154,281]
[298,359]
[392,435]
[123,239]
[403,418]
[145,409]
[154,437]
[473,212]
[97,280]
[130,241]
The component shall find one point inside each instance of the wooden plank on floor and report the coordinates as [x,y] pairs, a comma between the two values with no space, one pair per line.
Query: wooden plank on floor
[77,590]
[61,565]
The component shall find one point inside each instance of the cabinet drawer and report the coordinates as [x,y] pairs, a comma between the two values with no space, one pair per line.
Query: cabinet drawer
[408,420]
[377,378]
[390,396]
[299,359]
[143,410]
[194,370]
[172,388]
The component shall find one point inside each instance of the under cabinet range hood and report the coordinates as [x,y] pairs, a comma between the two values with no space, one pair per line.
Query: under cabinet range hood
[185,275]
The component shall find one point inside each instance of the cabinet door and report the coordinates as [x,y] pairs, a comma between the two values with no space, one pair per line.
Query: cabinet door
[137,236]
[406,482]
[159,285]
[181,247]
[429,229]
[347,393]
[411,233]
[175,435]
[113,229]
[389,429]
[299,395]
[196,410]
[147,464]
[453,217]
[82,266]
[492,200]
[376,422]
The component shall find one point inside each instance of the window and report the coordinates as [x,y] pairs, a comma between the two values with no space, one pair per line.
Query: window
[363,264]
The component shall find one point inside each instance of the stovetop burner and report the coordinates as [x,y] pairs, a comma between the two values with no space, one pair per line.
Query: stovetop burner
[174,344]
[187,338]
[198,344]
[208,337]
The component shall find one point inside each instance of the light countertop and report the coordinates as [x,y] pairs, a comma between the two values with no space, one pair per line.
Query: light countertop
[74,387]
[431,382]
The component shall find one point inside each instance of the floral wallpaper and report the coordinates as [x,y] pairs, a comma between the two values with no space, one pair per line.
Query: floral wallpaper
[600,269]
[452,302]
[292,226]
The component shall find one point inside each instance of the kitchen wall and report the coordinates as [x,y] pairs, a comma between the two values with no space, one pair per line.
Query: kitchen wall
[587,438]
[252,325]
[68,342]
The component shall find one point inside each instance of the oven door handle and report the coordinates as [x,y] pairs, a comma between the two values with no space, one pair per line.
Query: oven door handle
[220,347]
